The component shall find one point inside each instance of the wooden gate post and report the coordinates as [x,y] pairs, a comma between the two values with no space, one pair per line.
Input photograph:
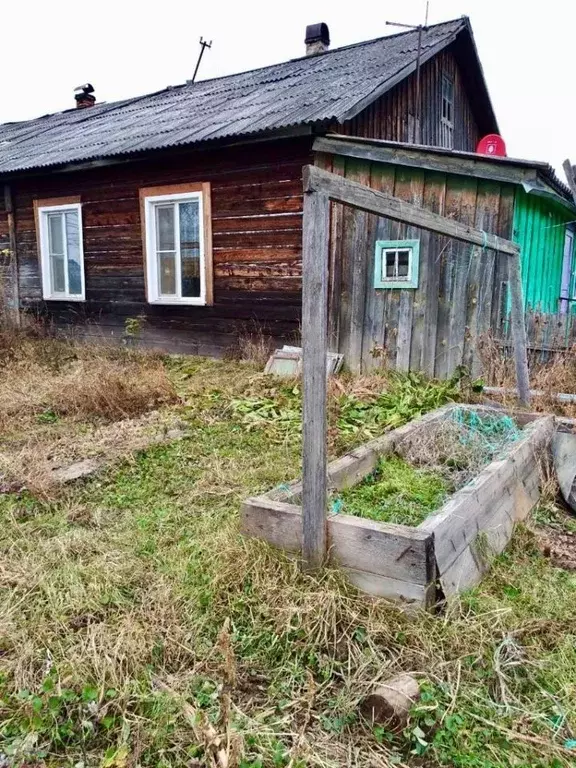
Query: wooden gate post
[315,253]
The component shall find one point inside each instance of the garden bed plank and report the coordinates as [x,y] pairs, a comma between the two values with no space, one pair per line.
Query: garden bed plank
[423,596]
[276,522]
[396,551]
[470,509]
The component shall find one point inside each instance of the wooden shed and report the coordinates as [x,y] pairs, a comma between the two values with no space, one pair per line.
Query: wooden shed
[413,300]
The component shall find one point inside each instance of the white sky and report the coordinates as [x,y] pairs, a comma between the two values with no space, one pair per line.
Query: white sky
[130,47]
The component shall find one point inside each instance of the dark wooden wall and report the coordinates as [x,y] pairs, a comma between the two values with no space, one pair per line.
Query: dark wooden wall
[257,220]
[462,289]
[390,117]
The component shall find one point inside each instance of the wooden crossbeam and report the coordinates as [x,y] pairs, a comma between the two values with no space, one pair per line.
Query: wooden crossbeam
[342,190]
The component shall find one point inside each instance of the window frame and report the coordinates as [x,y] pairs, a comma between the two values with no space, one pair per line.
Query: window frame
[42,210]
[150,197]
[385,246]
[446,124]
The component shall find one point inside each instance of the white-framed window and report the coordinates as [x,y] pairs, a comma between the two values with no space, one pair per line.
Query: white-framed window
[59,228]
[178,252]
[447,114]
[396,264]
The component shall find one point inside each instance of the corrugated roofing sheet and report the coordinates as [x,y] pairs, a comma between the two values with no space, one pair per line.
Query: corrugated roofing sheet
[309,90]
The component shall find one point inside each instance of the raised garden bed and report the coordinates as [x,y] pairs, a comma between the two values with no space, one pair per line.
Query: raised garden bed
[452,547]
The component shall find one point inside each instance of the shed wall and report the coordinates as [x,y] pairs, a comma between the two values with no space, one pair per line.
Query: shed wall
[462,289]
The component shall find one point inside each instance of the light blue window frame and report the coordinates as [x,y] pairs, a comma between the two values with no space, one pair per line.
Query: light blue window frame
[382,247]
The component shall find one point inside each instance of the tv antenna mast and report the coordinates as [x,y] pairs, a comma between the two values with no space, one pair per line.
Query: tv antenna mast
[416,137]
[203,45]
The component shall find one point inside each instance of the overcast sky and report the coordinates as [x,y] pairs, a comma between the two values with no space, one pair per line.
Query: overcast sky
[127,48]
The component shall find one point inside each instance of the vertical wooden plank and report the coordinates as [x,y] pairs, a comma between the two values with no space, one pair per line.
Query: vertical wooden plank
[361,223]
[498,322]
[425,328]
[461,201]
[480,289]
[335,276]
[410,187]
[518,329]
[13,272]
[382,178]
[405,313]
[315,256]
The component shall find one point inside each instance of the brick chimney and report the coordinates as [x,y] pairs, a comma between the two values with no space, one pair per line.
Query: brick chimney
[317,38]
[84,97]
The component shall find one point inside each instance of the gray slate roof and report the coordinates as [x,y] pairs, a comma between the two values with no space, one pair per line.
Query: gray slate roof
[330,86]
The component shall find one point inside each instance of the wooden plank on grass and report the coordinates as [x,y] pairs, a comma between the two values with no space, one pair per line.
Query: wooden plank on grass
[393,589]
[391,550]
[277,523]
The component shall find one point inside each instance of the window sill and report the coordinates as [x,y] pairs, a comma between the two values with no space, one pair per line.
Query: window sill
[179,302]
[63,297]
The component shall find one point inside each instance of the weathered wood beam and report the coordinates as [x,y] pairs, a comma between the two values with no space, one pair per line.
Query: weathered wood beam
[13,270]
[315,259]
[428,160]
[518,328]
[348,192]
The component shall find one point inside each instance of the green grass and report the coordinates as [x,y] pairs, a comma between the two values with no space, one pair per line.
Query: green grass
[396,492]
[140,576]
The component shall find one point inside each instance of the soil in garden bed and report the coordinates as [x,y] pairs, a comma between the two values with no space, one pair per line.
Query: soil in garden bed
[433,464]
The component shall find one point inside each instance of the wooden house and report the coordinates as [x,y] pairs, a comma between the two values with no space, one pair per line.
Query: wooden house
[184,207]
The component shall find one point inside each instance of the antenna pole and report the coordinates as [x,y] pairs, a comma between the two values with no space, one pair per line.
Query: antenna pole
[427,10]
[416,137]
[203,46]
[417,108]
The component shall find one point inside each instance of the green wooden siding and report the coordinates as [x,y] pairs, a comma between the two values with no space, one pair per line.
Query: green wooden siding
[539,228]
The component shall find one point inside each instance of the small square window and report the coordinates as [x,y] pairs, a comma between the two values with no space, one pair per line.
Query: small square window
[396,264]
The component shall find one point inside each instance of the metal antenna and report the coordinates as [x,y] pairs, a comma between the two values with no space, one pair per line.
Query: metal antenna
[203,47]
[417,132]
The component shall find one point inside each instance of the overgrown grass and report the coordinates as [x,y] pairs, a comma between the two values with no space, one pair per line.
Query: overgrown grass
[396,492]
[134,592]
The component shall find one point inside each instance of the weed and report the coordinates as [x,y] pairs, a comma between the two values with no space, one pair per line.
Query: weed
[396,493]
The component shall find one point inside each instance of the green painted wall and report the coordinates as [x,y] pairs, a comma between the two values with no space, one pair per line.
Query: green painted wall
[539,229]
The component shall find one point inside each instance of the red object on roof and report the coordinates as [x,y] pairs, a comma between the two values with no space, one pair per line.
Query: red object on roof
[492,145]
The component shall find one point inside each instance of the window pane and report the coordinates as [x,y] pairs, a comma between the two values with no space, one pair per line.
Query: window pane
[56,242]
[190,273]
[190,248]
[390,264]
[57,274]
[403,263]
[167,273]
[73,248]
[165,228]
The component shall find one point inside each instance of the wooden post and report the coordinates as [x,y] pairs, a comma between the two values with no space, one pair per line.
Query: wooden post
[13,270]
[518,327]
[315,247]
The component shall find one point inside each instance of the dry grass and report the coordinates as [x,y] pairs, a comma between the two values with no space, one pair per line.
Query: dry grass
[553,376]
[59,379]
[65,401]
[133,601]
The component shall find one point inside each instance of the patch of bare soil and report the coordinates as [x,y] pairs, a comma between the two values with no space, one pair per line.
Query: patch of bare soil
[559,546]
